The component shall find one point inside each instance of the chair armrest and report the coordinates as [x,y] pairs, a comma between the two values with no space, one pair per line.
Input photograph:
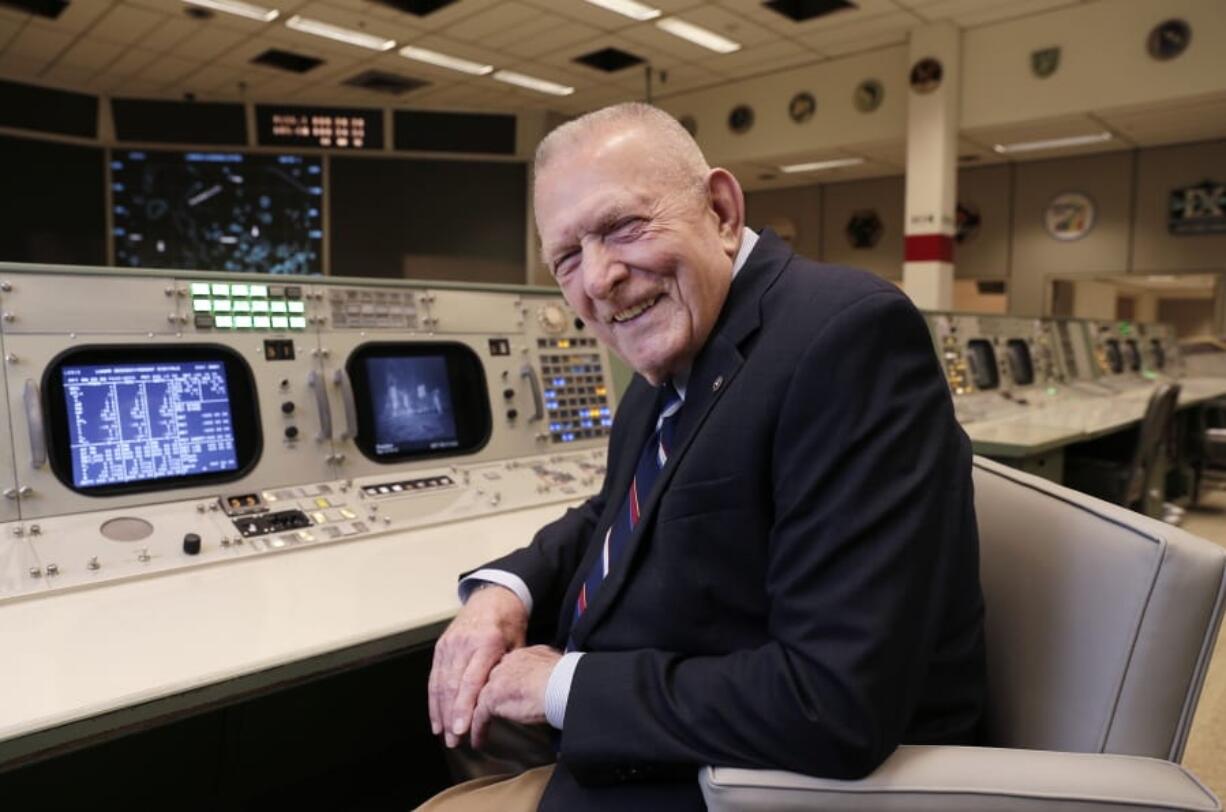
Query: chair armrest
[920,778]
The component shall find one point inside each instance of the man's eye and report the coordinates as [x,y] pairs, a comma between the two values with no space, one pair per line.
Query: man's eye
[628,228]
[564,264]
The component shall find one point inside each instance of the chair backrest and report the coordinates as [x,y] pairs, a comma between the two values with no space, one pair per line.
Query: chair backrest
[1100,621]
[1156,432]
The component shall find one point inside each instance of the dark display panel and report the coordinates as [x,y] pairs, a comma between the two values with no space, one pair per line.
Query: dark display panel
[982,361]
[422,219]
[53,206]
[173,122]
[418,399]
[1115,359]
[133,422]
[431,131]
[218,211]
[123,419]
[324,127]
[1019,362]
[42,108]
[1132,355]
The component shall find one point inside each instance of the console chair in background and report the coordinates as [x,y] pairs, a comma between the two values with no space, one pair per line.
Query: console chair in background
[1100,626]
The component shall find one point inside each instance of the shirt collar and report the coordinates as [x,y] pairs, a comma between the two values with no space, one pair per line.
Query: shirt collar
[749,239]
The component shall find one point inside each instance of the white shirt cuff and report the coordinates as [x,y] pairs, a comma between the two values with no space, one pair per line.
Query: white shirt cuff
[501,577]
[557,691]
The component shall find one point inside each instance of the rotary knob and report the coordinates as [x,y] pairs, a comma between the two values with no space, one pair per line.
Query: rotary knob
[191,544]
[552,318]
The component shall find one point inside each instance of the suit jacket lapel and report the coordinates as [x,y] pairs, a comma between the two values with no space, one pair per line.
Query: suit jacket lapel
[712,374]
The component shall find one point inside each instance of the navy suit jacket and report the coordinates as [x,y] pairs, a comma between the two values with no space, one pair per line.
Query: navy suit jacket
[802,590]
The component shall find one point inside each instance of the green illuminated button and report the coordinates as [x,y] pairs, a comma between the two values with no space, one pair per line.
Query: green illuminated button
[280,323]
[297,307]
[238,290]
[200,288]
[221,290]
[221,305]
[242,307]
[297,322]
[260,322]
[259,307]
[260,291]
[202,305]
[278,307]
[224,321]
[242,321]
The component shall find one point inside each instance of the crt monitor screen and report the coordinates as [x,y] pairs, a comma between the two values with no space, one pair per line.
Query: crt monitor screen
[418,399]
[124,420]
[1020,365]
[982,360]
[412,403]
[1115,360]
[1158,354]
[1132,355]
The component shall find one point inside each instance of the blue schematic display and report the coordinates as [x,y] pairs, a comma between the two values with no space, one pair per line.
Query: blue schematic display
[136,422]
[412,404]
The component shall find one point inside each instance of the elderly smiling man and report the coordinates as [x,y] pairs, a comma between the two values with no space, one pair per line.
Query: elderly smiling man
[781,569]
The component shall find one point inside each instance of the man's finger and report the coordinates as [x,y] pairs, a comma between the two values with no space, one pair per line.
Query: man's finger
[481,722]
[471,682]
[432,690]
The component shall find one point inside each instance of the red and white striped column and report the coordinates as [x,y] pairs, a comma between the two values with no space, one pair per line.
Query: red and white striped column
[932,165]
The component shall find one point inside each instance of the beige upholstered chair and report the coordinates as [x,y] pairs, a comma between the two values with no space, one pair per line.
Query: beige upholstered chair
[1100,626]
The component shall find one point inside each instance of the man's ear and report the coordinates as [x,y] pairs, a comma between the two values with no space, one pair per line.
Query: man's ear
[728,206]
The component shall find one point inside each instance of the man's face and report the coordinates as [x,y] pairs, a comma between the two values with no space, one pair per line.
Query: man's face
[641,261]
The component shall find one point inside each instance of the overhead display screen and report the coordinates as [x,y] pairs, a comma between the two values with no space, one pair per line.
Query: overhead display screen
[326,127]
[133,422]
[418,399]
[413,409]
[219,211]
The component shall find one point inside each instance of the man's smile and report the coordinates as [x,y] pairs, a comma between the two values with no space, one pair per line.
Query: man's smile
[635,311]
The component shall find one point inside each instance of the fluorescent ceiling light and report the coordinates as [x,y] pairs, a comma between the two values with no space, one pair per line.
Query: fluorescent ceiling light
[444,61]
[322,29]
[698,35]
[814,166]
[630,8]
[1054,143]
[532,83]
[248,10]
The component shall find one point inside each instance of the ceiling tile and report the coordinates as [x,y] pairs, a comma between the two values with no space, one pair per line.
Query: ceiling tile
[754,11]
[68,76]
[870,43]
[563,37]
[211,78]
[79,16]
[1019,8]
[730,24]
[15,66]
[167,37]
[133,61]
[126,24]
[893,22]
[167,70]
[39,42]
[209,42]
[91,53]
[8,30]
[747,60]
[492,21]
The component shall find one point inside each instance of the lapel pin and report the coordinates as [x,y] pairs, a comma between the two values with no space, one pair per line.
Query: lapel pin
[717,383]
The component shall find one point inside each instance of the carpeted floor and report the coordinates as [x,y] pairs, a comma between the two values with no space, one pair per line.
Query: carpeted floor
[1206,752]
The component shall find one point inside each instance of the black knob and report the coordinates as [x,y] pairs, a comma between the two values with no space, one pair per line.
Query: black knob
[288,407]
[512,414]
[191,544]
[508,393]
[285,383]
[291,432]
[579,325]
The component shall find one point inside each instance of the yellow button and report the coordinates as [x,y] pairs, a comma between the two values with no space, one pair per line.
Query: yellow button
[348,514]
[322,501]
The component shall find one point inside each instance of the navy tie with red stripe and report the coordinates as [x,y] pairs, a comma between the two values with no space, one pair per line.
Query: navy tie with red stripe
[651,462]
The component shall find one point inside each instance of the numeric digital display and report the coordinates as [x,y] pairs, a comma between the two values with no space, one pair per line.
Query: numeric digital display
[325,127]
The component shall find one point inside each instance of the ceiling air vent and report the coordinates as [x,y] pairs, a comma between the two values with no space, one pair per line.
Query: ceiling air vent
[383,82]
[287,60]
[609,59]
[43,8]
[803,10]
[418,7]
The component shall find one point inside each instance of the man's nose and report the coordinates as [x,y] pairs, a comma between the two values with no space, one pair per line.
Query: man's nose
[602,272]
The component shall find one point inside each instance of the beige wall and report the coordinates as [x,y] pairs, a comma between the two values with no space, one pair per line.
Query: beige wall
[1159,171]
[800,207]
[1191,317]
[986,254]
[841,200]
